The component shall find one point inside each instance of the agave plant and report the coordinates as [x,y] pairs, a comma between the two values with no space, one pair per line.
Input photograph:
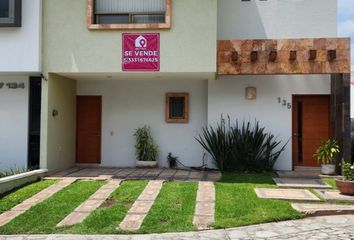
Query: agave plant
[241,147]
[217,142]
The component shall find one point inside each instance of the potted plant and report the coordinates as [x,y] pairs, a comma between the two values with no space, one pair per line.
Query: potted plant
[325,155]
[145,148]
[172,160]
[346,186]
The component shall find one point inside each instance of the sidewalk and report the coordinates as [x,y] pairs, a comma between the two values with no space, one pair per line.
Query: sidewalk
[331,227]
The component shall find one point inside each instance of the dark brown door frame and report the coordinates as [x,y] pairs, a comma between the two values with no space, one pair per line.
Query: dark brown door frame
[100,126]
[294,119]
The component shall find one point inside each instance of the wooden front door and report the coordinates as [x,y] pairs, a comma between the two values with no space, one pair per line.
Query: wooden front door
[88,139]
[311,125]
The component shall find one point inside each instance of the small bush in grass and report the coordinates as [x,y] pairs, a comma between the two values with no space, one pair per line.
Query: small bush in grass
[241,146]
[13,171]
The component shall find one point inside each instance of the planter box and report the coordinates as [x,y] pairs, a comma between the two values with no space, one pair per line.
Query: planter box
[345,187]
[146,164]
[18,180]
[328,169]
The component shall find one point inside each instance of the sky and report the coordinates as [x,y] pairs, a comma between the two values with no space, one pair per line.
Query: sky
[346,22]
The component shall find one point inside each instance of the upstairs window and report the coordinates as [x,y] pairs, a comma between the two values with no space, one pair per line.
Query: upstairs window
[129,14]
[10,13]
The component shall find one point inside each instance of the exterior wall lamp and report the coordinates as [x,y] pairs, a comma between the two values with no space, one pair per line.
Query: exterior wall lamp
[251,93]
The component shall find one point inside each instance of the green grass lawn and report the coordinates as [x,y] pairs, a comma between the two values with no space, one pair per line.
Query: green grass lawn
[43,217]
[331,182]
[11,199]
[106,219]
[237,203]
[173,209]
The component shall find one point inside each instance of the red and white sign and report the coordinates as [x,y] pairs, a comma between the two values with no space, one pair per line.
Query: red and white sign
[141,52]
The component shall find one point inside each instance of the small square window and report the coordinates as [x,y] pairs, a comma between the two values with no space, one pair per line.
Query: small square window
[177,107]
[10,13]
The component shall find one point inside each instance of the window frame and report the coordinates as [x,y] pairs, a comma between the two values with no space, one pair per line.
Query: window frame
[185,118]
[17,19]
[91,25]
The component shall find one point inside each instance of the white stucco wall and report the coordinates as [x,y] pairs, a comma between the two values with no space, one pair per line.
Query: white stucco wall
[13,123]
[20,47]
[227,97]
[277,19]
[128,105]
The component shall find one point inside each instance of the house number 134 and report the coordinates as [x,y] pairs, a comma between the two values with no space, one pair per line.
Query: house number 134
[284,103]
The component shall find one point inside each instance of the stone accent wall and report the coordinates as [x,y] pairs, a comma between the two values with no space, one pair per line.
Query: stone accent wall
[340,114]
[284,56]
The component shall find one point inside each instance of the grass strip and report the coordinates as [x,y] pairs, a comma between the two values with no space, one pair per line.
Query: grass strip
[17,196]
[173,209]
[331,182]
[106,219]
[238,205]
[43,217]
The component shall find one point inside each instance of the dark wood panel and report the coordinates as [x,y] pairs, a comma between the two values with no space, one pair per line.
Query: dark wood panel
[89,115]
[311,125]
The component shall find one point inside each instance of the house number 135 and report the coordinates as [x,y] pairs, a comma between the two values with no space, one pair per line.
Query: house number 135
[284,103]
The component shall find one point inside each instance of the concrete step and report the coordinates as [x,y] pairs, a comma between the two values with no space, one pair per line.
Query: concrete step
[301,183]
[322,209]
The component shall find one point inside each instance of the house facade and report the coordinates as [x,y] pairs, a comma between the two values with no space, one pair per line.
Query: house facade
[112,66]
[20,83]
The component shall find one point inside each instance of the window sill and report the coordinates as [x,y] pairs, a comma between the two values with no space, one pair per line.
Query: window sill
[129,26]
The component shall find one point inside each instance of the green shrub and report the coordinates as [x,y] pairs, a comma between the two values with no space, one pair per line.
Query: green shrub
[241,147]
[13,171]
[326,151]
[146,149]
[348,171]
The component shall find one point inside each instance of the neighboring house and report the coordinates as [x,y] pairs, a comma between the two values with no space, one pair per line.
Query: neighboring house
[111,66]
[20,84]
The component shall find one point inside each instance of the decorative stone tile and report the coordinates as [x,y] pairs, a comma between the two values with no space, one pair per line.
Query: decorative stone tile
[136,174]
[132,222]
[286,194]
[322,209]
[19,209]
[205,209]
[74,218]
[8,216]
[320,65]
[301,183]
[91,204]
[181,175]
[141,207]
[334,196]
[205,205]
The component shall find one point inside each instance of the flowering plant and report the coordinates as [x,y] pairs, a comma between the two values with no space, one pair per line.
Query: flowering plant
[348,171]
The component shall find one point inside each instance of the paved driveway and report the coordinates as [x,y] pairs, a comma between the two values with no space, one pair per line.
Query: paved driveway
[331,227]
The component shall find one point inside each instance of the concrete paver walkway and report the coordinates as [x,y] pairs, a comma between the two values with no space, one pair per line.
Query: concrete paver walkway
[91,204]
[137,213]
[301,183]
[8,216]
[286,194]
[322,228]
[205,205]
[322,209]
[166,174]
[334,196]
